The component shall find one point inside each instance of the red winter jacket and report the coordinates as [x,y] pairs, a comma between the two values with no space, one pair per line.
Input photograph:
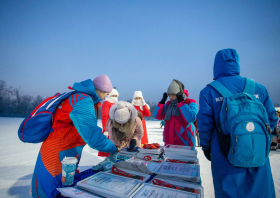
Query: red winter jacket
[145,112]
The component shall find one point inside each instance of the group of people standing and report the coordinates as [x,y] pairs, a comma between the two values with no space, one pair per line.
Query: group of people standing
[125,125]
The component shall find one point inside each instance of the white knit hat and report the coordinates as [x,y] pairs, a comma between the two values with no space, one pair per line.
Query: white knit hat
[138,94]
[113,92]
[122,111]
[122,115]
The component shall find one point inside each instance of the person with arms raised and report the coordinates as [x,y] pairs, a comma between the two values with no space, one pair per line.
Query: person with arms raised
[179,114]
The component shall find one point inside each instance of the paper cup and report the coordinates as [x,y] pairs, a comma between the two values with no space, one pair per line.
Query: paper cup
[69,165]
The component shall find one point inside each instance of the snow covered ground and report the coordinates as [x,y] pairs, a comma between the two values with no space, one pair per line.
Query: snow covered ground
[17,160]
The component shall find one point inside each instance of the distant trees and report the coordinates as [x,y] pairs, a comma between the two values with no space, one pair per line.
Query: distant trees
[15,104]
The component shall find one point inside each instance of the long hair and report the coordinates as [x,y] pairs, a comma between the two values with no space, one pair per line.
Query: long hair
[122,132]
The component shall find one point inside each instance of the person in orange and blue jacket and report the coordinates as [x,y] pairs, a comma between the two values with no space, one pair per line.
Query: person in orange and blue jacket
[179,114]
[75,125]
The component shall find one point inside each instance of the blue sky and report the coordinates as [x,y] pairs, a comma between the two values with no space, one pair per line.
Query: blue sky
[45,46]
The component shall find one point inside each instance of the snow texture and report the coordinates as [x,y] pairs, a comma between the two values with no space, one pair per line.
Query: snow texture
[17,160]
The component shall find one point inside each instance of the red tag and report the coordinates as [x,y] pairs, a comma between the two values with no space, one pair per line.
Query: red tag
[147,158]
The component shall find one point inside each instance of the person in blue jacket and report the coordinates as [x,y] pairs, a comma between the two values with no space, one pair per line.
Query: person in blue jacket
[74,126]
[231,181]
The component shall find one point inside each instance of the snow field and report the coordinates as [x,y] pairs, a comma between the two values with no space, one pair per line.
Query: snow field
[17,160]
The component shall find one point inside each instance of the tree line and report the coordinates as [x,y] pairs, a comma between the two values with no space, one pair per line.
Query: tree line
[13,103]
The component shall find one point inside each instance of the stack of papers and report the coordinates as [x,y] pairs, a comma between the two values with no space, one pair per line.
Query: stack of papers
[190,172]
[148,190]
[171,151]
[124,153]
[180,159]
[149,157]
[150,154]
[184,186]
[151,151]
[109,185]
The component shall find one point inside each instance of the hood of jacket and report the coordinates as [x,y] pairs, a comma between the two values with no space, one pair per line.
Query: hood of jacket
[226,63]
[88,88]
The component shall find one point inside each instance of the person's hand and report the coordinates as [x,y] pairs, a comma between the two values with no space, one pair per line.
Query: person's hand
[207,153]
[164,98]
[122,145]
[180,97]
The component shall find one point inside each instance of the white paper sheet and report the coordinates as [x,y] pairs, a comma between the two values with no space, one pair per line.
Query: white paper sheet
[76,193]
[180,170]
[151,191]
[110,184]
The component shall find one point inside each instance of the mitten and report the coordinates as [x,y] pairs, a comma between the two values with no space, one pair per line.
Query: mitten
[164,98]
[180,97]
[105,163]
[132,145]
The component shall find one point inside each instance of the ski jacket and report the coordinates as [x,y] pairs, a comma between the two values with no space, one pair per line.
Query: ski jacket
[179,130]
[106,106]
[145,112]
[230,181]
[75,125]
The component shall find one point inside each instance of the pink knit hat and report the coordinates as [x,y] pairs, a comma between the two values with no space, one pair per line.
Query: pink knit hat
[103,83]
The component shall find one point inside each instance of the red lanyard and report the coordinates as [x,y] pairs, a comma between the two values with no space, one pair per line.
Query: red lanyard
[125,174]
[164,184]
[179,161]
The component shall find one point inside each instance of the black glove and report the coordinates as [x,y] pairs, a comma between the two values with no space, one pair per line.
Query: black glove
[180,97]
[276,130]
[132,145]
[207,153]
[164,98]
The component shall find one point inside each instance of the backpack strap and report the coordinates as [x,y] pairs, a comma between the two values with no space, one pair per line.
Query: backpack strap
[249,86]
[220,88]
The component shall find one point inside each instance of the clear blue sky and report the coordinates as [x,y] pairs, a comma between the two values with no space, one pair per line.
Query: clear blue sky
[45,46]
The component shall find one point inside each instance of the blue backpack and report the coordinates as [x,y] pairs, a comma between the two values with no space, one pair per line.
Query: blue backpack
[37,126]
[243,128]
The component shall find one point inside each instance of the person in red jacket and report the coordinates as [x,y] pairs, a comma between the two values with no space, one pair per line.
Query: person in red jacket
[140,105]
[110,100]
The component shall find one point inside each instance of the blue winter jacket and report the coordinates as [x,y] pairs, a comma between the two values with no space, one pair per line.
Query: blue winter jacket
[230,181]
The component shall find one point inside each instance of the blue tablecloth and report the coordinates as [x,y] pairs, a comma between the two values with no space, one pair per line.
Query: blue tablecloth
[78,177]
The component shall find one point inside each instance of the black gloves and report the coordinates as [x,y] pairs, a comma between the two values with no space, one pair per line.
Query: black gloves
[207,153]
[132,145]
[164,98]
[180,97]
[276,130]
